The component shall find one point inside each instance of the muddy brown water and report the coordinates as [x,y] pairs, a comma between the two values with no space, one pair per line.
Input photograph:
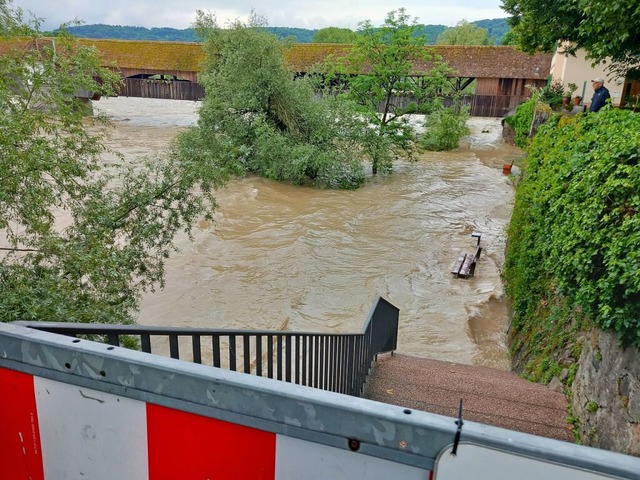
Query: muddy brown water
[291,258]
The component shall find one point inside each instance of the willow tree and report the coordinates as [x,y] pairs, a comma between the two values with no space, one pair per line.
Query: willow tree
[79,241]
[256,117]
[389,74]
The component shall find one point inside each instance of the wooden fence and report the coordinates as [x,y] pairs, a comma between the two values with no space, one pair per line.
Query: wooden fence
[480,105]
[493,105]
[165,89]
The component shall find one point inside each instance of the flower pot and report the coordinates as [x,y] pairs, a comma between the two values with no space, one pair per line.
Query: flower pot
[566,100]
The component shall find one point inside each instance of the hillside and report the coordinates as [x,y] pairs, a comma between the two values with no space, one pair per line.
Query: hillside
[496,27]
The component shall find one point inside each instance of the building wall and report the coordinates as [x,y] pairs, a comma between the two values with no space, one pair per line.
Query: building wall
[486,86]
[506,86]
[578,70]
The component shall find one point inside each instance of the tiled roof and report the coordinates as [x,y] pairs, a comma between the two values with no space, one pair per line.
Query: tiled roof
[150,55]
[467,61]
[132,53]
[302,57]
[494,61]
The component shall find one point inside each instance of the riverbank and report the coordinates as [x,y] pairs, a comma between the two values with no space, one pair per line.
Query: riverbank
[570,270]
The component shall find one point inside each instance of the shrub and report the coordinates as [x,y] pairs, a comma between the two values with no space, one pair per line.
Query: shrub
[551,93]
[444,129]
[521,120]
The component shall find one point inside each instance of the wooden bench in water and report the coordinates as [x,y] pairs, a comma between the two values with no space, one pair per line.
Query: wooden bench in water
[465,265]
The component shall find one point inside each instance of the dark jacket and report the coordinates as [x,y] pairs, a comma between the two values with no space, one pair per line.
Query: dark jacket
[600,97]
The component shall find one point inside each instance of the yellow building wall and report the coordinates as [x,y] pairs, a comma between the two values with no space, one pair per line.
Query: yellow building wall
[578,70]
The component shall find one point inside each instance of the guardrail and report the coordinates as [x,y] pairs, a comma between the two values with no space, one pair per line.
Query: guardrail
[336,362]
[72,408]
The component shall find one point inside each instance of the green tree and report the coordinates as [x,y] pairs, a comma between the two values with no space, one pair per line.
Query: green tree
[464,33]
[510,39]
[429,33]
[79,240]
[334,35]
[390,74]
[497,28]
[606,29]
[256,117]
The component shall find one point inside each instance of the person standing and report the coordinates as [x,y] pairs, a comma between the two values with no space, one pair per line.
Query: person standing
[600,95]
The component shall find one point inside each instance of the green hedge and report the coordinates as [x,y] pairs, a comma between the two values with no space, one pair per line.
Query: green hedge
[575,229]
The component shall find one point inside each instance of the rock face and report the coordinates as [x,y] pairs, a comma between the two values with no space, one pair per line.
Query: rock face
[606,394]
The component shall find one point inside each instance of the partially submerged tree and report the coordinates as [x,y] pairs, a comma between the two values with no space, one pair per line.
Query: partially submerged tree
[79,241]
[445,128]
[256,117]
[390,74]
[609,30]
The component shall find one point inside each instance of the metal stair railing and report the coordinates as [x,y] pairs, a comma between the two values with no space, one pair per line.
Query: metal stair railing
[335,362]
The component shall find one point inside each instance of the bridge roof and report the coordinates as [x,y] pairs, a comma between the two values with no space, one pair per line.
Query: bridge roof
[466,61]
[149,55]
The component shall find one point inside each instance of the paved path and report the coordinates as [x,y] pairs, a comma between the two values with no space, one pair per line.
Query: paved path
[493,397]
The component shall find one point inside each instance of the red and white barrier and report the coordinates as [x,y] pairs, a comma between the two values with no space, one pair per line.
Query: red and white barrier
[52,430]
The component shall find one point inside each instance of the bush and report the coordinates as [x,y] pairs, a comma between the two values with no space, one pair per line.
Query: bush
[551,93]
[576,226]
[521,120]
[444,129]
[279,157]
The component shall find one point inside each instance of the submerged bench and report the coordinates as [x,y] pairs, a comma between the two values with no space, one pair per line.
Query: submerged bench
[465,265]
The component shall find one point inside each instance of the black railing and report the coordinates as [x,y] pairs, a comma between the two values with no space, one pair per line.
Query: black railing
[335,362]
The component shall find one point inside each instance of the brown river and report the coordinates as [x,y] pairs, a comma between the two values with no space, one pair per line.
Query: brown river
[291,258]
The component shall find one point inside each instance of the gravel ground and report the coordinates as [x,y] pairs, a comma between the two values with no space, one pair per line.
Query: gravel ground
[490,396]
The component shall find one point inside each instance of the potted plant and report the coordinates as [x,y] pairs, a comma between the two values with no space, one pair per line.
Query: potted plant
[552,94]
[568,93]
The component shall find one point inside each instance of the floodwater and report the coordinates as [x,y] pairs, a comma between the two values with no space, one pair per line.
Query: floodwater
[292,258]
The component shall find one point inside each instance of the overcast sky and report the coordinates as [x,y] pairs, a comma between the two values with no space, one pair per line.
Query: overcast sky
[311,14]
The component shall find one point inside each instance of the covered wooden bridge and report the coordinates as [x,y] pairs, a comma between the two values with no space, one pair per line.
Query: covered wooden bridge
[170,69]
[501,72]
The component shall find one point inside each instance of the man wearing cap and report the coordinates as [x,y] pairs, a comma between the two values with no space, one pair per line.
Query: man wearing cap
[600,94]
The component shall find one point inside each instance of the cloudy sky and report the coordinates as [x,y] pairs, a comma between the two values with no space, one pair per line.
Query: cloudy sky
[281,13]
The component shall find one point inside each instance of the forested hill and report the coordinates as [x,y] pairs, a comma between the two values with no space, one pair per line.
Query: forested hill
[496,27]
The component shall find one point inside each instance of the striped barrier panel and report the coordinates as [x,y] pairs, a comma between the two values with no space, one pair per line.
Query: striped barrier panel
[56,430]
[74,409]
